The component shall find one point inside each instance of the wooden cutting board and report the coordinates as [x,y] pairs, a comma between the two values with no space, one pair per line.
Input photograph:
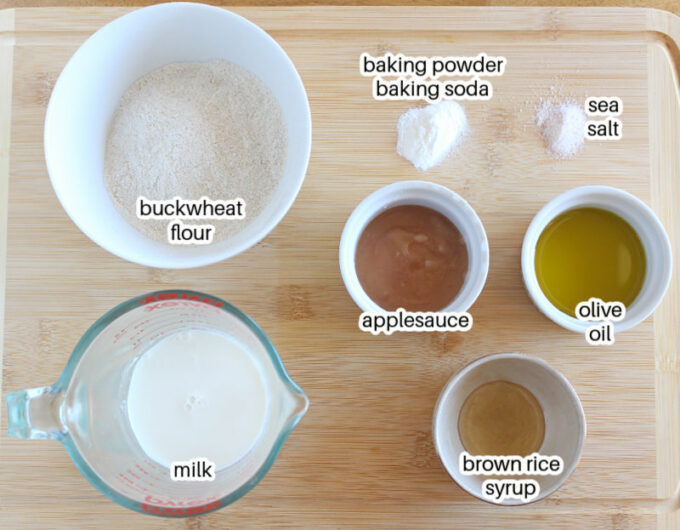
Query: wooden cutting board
[364,455]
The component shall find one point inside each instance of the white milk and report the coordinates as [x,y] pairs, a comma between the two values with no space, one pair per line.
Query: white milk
[197,394]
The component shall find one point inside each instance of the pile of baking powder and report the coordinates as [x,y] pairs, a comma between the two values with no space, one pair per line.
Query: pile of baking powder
[192,130]
[427,135]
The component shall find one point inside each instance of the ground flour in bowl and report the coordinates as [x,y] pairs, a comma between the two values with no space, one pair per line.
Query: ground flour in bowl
[192,130]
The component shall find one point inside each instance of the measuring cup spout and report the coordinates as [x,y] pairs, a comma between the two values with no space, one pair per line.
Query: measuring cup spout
[35,414]
[296,405]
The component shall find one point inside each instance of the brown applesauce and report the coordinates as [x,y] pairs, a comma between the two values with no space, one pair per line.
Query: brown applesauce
[411,257]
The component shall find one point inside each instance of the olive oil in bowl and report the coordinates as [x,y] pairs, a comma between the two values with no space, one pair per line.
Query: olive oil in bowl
[588,253]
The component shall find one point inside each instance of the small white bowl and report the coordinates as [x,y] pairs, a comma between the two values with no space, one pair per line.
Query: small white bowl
[643,220]
[433,196]
[565,422]
[89,89]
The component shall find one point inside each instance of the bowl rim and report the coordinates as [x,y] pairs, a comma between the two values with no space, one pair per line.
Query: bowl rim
[458,376]
[541,220]
[381,200]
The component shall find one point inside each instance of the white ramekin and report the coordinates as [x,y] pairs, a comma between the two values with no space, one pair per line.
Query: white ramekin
[89,89]
[643,220]
[433,196]
[565,421]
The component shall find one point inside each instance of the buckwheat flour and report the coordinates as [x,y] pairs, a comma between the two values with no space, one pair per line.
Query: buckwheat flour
[192,130]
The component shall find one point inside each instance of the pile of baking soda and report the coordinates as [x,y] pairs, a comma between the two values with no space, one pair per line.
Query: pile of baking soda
[427,135]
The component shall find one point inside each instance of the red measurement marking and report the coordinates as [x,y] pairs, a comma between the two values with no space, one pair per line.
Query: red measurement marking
[179,504]
[177,295]
[125,478]
[179,512]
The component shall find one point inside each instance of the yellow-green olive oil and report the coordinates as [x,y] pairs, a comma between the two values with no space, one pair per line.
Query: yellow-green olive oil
[589,253]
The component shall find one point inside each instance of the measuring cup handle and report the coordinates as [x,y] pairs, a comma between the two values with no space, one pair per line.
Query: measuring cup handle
[34,414]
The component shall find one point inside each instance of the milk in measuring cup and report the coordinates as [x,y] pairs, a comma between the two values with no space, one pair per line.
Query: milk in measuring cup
[197,394]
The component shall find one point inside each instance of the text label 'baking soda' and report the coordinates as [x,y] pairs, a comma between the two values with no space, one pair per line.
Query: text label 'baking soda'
[416,78]
[194,470]
[596,310]
[609,128]
[388,322]
[523,490]
[177,208]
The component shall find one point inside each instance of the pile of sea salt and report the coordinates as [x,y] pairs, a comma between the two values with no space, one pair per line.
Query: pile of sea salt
[562,127]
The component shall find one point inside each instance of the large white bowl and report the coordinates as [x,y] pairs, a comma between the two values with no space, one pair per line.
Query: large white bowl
[88,92]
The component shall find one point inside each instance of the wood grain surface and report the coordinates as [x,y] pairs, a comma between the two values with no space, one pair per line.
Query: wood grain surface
[363,455]
[669,5]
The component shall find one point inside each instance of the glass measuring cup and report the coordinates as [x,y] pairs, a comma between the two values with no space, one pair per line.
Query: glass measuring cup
[86,409]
